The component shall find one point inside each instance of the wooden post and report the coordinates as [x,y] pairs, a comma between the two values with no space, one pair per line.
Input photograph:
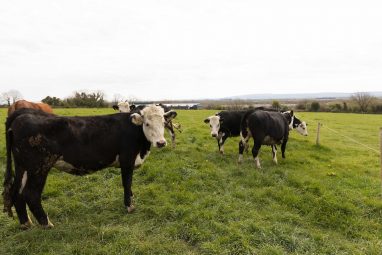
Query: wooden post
[380,152]
[318,133]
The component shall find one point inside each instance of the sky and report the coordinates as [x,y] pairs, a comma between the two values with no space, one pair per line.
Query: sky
[158,49]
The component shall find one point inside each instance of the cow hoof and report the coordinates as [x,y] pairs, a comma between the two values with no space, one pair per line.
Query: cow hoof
[27,225]
[221,152]
[240,159]
[130,209]
[49,225]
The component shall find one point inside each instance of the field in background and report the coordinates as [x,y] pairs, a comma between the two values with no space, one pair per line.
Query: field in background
[192,200]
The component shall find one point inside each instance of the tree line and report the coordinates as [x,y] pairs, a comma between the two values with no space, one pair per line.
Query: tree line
[360,102]
[79,99]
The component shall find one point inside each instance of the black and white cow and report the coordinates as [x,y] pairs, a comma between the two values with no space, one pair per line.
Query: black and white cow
[77,145]
[268,128]
[226,124]
[126,107]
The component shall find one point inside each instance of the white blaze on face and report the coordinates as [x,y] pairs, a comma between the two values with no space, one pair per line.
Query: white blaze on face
[152,120]
[124,107]
[302,129]
[214,125]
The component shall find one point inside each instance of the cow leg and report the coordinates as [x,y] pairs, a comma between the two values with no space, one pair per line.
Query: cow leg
[241,150]
[217,139]
[32,194]
[221,143]
[18,199]
[274,151]
[283,146]
[255,153]
[127,178]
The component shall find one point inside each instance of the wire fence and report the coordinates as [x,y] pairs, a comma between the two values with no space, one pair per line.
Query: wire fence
[352,139]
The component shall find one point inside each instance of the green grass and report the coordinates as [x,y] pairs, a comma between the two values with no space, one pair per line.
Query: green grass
[192,200]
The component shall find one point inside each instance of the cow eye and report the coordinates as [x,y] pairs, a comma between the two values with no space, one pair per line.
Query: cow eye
[211,126]
[147,124]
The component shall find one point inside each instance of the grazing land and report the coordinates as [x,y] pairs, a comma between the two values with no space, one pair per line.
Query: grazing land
[192,200]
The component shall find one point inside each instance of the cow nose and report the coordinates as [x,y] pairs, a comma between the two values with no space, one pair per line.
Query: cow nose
[161,144]
[214,135]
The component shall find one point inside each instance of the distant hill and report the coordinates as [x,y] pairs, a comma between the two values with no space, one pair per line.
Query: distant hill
[323,95]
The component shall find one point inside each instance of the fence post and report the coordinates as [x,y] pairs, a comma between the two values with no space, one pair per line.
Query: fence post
[318,133]
[380,152]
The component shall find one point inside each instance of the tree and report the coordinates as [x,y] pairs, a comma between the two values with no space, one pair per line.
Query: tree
[53,101]
[276,105]
[363,100]
[84,99]
[345,107]
[315,106]
[11,96]
[118,98]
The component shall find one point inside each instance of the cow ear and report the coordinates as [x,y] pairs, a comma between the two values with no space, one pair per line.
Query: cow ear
[170,115]
[207,120]
[132,107]
[136,119]
[291,112]
[115,107]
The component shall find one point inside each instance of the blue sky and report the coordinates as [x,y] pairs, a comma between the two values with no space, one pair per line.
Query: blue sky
[189,49]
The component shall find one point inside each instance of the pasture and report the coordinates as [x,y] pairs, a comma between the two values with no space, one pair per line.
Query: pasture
[192,200]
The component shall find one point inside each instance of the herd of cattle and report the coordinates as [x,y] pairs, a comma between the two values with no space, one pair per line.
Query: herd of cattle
[40,140]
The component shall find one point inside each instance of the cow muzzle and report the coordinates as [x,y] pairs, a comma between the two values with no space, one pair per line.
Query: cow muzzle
[161,144]
[214,135]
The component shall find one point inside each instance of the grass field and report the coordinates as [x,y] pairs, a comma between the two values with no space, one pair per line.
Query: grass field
[192,200]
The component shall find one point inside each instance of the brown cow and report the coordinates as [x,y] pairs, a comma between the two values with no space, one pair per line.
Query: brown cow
[26,104]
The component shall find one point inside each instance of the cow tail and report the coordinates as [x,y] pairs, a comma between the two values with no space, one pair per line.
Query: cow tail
[244,126]
[8,176]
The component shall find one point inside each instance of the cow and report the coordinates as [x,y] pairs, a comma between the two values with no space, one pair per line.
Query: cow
[126,107]
[226,124]
[223,125]
[122,107]
[26,104]
[268,128]
[39,141]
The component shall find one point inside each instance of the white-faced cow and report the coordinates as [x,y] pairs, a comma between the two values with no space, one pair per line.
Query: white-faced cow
[125,107]
[122,107]
[268,128]
[76,145]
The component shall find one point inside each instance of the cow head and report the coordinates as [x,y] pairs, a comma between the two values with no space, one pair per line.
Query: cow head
[215,121]
[300,126]
[295,123]
[122,107]
[152,119]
